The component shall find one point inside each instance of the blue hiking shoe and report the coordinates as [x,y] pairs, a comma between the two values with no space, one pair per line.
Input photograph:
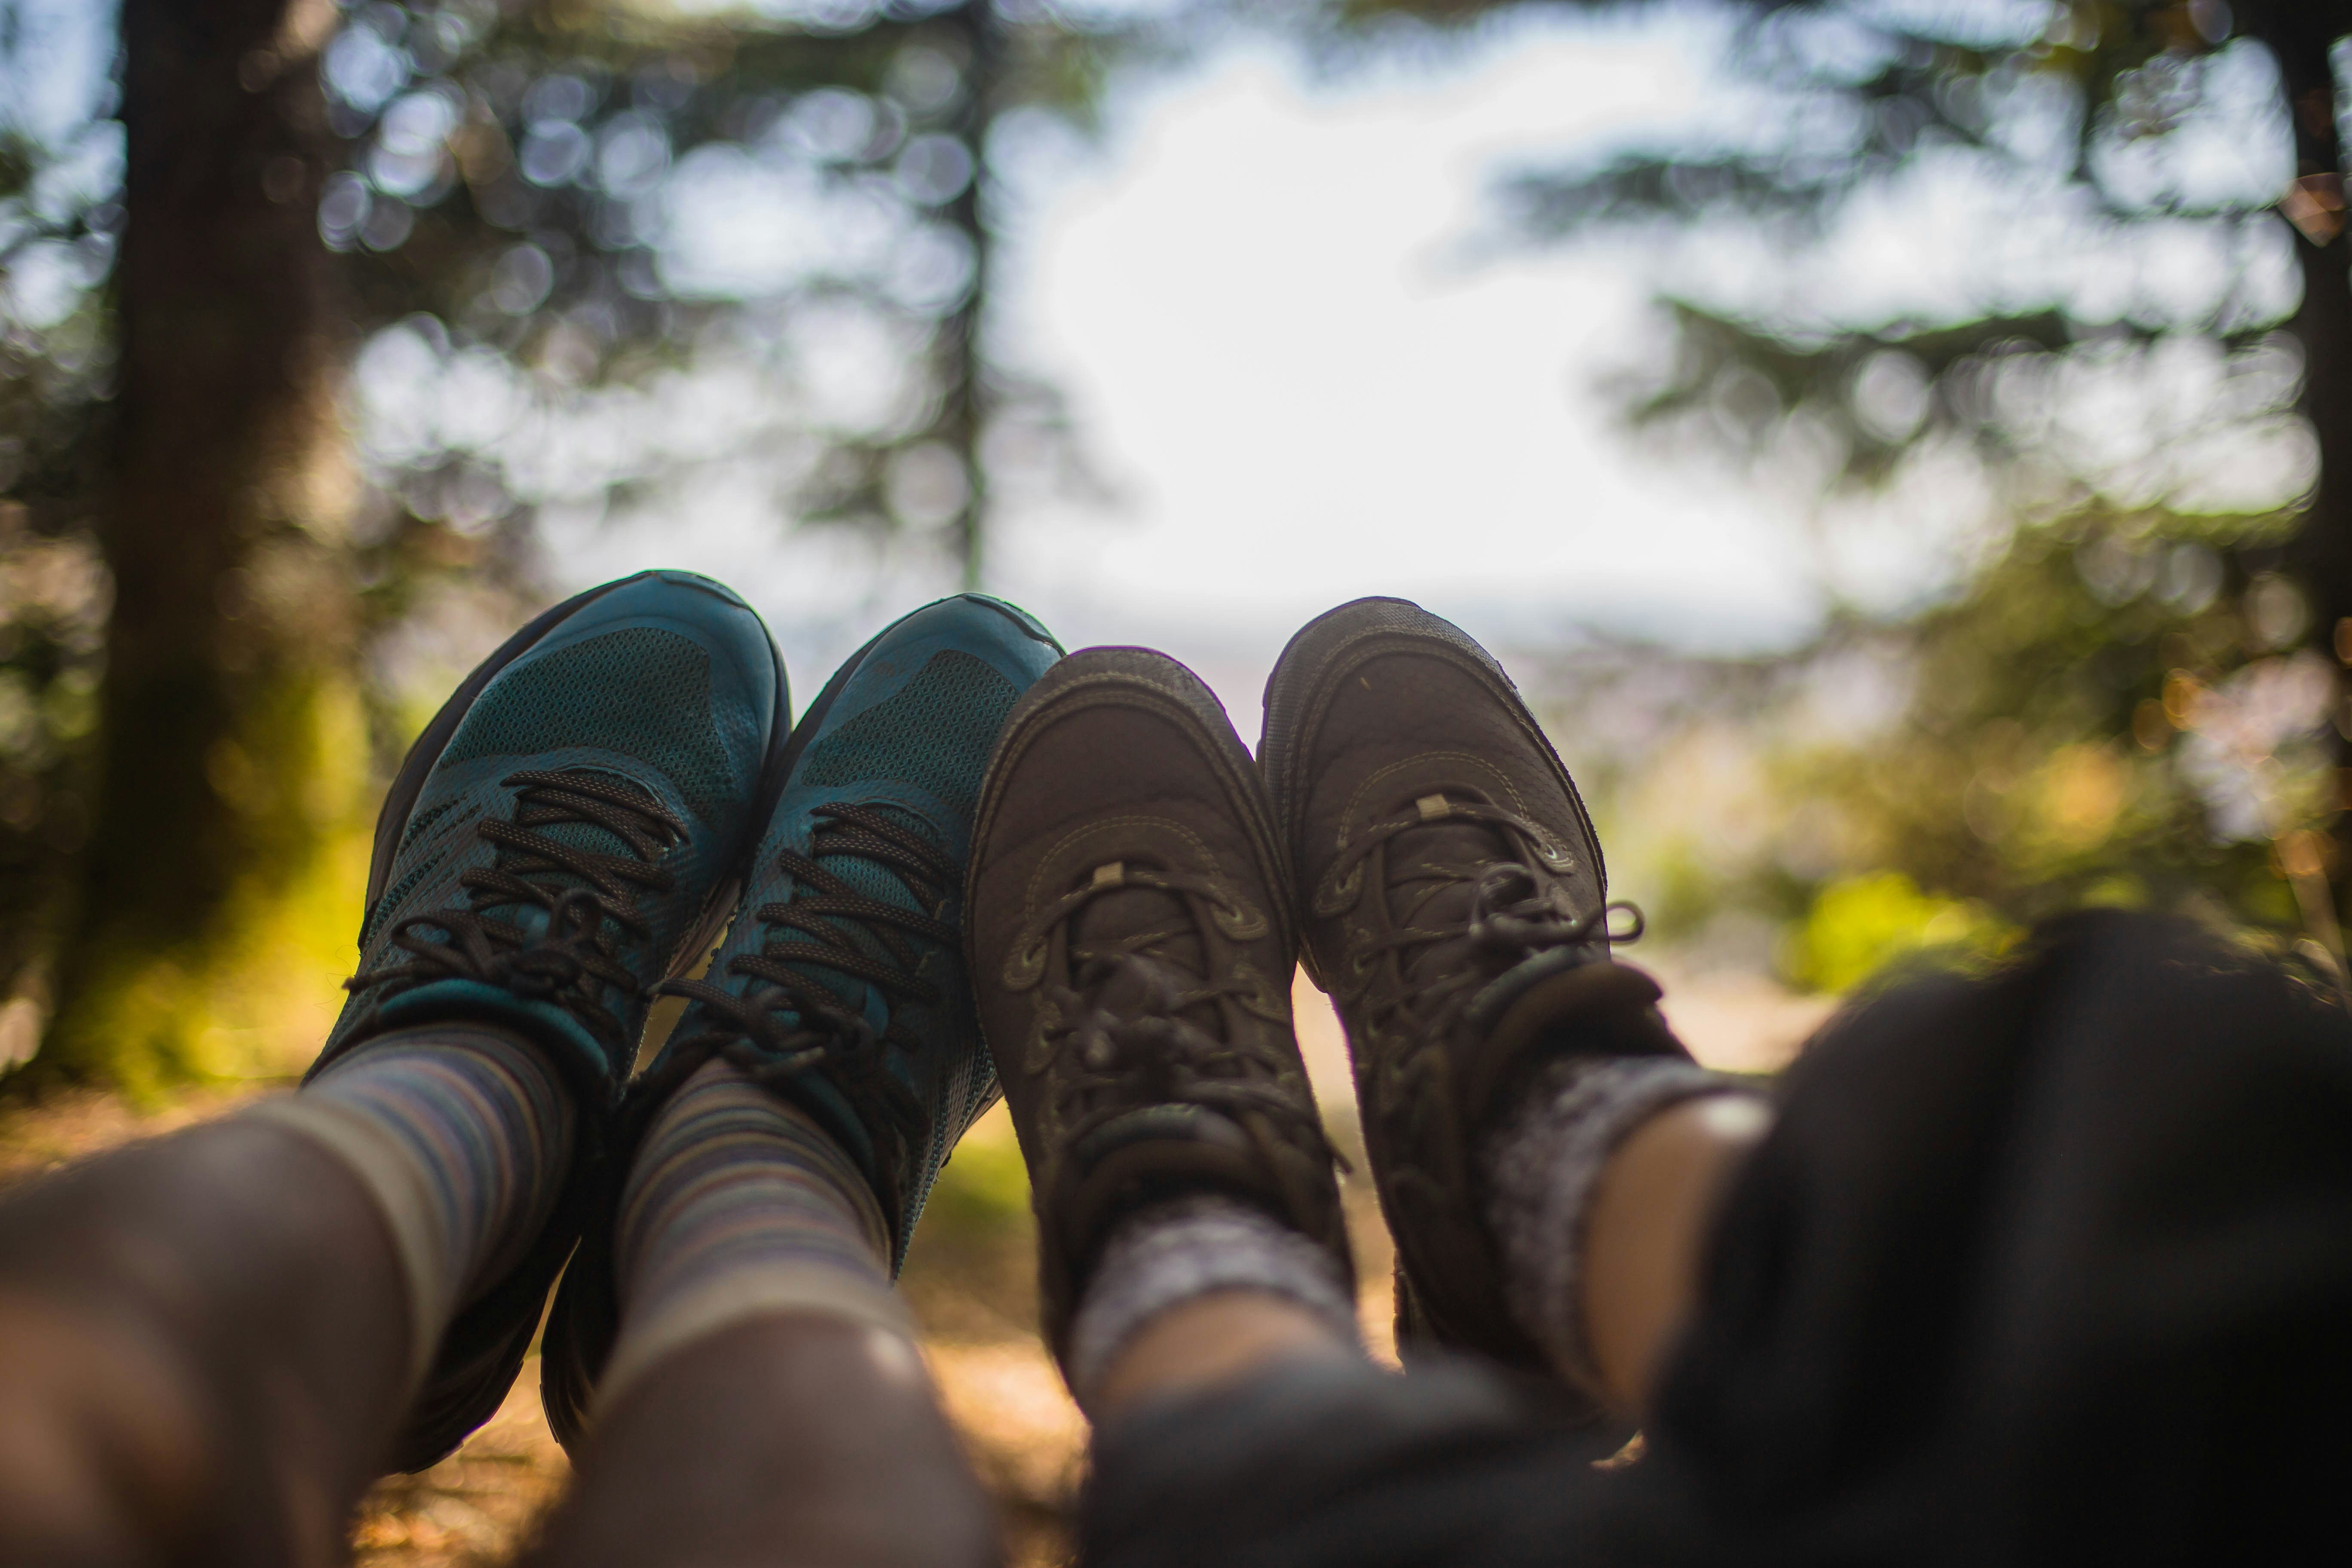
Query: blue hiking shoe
[571,830]
[841,986]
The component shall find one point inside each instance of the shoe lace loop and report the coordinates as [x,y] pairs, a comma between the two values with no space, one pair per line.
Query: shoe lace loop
[1514,914]
[572,960]
[788,1022]
[1149,1051]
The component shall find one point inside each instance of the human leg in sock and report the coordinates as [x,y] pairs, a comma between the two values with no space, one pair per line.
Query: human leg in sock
[222,1335]
[211,1339]
[1608,1266]
[764,1399]
[1602,1187]
[726,1361]
[1131,944]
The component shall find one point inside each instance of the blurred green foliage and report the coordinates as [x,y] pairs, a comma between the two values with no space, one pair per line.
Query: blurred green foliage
[60,176]
[2093,719]
[562,220]
[2083,422]
[2109,689]
[1860,925]
[984,1190]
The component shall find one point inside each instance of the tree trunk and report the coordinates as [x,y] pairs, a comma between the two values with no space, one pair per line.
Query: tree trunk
[2299,33]
[962,419]
[214,907]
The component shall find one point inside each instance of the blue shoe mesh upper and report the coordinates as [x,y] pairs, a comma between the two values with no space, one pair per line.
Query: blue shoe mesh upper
[564,829]
[935,734]
[911,748]
[665,687]
[644,691]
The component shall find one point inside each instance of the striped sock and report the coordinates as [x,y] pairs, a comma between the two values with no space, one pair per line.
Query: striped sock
[739,1206]
[463,1136]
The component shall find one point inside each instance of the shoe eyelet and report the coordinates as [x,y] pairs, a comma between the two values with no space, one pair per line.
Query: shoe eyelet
[1039,1054]
[1237,919]
[1024,966]
[1335,897]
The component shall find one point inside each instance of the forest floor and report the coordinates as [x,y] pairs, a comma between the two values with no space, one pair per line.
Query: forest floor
[969,1278]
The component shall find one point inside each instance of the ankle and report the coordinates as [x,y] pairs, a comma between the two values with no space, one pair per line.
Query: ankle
[1172,1274]
[459,1139]
[1212,1340]
[1646,1231]
[1637,1140]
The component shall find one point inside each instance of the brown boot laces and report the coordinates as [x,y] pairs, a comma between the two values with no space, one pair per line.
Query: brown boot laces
[1501,931]
[789,1021]
[1151,1054]
[572,960]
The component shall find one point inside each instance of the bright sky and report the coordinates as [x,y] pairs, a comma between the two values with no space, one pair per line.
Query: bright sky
[1258,292]
[1260,297]
[1264,292]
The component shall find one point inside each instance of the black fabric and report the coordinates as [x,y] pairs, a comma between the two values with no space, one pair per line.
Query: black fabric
[1331,1463]
[2050,1265]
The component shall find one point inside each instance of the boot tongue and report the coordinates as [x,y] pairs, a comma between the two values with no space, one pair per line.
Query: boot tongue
[1176,960]
[1433,881]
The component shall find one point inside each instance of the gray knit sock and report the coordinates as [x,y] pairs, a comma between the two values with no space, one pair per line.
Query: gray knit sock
[1162,1257]
[1542,1165]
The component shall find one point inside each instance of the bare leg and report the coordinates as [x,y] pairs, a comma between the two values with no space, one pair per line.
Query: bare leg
[787,1440]
[1648,1224]
[1216,1339]
[1649,1221]
[203,1348]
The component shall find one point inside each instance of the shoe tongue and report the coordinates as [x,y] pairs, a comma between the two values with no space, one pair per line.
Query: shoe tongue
[1174,960]
[587,838]
[1433,881]
[867,879]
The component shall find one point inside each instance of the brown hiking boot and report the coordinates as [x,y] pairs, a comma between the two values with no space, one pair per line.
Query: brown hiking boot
[1129,933]
[1454,908]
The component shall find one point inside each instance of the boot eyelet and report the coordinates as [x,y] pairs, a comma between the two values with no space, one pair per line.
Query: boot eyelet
[1024,966]
[1337,894]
